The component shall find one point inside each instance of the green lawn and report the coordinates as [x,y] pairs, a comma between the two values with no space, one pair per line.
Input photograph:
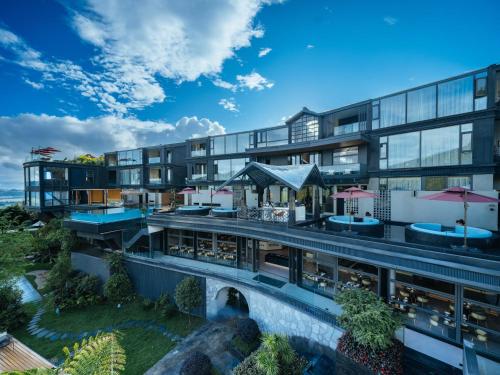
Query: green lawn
[143,348]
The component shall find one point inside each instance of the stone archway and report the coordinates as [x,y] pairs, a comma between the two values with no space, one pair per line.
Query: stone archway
[229,303]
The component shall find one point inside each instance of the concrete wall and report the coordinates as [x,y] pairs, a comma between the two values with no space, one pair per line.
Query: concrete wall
[275,316]
[90,264]
[408,208]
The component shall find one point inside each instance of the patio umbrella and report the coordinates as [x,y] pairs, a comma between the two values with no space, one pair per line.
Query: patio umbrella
[463,195]
[353,193]
[223,191]
[187,191]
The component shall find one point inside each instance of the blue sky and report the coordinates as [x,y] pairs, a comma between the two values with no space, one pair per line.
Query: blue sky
[101,75]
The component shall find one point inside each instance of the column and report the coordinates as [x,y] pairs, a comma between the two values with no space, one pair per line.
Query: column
[316,208]
[291,206]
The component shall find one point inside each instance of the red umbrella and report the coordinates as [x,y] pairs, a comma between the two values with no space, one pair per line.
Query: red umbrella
[463,195]
[353,193]
[187,191]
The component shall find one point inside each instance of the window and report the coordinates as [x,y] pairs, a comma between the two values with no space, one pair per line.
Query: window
[428,304]
[218,146]
[347,155]
[112,177]
[455,97]
[34,199]
[90,176]
[354,274]
[393,110]
[168,177]
[480,91]
[306,128]
[318,272]
[404,150]
[154,156]
[451,145]
[130,176]
[497,89]
[55,198]
[403,183]
[245,140]
[155,176]
[130,157]
[376,115]
[34,178]
[111,160]
[230,144]
[224,169]
[272,137]
[305,158]
[180,243]
[422,104]
[55,174]
[199,171]
[198,149]
[437,183]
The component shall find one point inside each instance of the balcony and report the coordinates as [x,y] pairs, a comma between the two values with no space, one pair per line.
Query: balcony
[198,153]
[340,169]
[198,176]
[154,160]
[155,181]
[354,127]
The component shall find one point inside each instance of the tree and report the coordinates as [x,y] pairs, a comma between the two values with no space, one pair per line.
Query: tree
[98,355]
[60,273]
[371,322]
[118,288]
[14,247]
[276,352]
[12,314]
[188,296]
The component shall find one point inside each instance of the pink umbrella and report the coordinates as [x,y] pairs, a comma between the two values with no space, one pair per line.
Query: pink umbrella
[353,193]
[460,194]
[223,191]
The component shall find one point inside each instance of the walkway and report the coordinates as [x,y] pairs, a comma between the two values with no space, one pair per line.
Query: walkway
[149,325]
[30,294]
[211,339]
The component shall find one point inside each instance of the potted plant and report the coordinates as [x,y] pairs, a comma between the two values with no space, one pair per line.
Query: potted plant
[368,341]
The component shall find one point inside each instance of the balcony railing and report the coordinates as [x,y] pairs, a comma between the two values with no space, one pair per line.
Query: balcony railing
[155,181]
[198,176]
[154,160]
[340,169]
[197,153]
[355,127]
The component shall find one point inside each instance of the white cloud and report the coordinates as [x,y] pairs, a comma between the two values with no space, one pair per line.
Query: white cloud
[136,45]
[224,84]
[229,105]
[264,51]
[253,81]
[310,46]
[35,85]
[93,135]
[391,21]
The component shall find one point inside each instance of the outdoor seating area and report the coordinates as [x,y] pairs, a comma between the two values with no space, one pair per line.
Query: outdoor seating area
[15,356]
[362,225]
[440,235]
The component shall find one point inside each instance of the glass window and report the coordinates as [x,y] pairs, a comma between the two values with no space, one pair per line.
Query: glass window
[111,160]
[218,146]
[354,274]
[244,141]
[130,157]
[375,115]
[455,97]
[422,104]
[403,183]
[497,89]
[393,110]
[437,183]
[480,91]
[90,176]
[55,198]
[34,199]
[272,137]
[231,144]
[55,174]
[306,128]
[318,272]
[180,243]
[155,175]
[198,149]
[154,156]
[34,173]
[130,176]
[225,169]
[440,146]
[404,150]
[168,156]
[347,155]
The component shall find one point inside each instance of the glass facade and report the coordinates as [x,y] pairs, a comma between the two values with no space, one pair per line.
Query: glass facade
[130,157]
[34,176]
[199,171]
[55,198]
[198,149]
[155,175]
[455,97]
[393,110]
[272,137]
[34,199]
[231,144]
[154,156]
[130,176]
[226,168]
[55,174]
[438,183]
[422,104]
[450,145]
[305,158]
[346,155]
[306,128]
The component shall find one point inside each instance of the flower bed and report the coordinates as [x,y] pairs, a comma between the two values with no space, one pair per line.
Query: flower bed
[386,362]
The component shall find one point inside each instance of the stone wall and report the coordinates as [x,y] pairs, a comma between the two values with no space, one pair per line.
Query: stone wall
[275,316]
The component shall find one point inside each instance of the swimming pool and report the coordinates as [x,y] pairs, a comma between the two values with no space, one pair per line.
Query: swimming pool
[224,212]
[193,210]
[365,225]
[110,215]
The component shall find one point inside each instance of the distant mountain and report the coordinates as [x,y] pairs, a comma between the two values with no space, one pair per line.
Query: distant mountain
[10,197]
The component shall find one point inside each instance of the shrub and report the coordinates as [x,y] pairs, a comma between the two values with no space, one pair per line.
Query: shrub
[188,295]
[247,329]
[196,364]
[60,273]
[79,290]
[384,361]
[147,304]
[165,305]
[118,288]
[275,356]
[12,314]
[371,322]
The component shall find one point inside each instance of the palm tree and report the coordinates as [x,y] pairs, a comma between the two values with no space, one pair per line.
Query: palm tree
[275,354]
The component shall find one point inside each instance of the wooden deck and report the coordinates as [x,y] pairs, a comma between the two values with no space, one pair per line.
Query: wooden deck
[18,356]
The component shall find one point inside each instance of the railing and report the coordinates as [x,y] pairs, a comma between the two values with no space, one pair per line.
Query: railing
[154,160]
[199,176]
[196,153]
[155,181]
[267,214]
[355,127]
[340,169]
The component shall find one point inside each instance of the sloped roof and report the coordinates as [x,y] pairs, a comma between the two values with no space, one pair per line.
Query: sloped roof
[292,176]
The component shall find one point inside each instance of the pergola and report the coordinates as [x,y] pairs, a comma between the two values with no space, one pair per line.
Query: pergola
[294,177]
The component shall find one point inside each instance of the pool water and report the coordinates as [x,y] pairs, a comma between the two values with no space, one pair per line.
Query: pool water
[110,215]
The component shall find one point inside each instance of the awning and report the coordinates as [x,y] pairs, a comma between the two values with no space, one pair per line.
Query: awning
[292,176]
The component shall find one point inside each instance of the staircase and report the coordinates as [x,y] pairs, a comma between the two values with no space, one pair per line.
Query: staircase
[142,232]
